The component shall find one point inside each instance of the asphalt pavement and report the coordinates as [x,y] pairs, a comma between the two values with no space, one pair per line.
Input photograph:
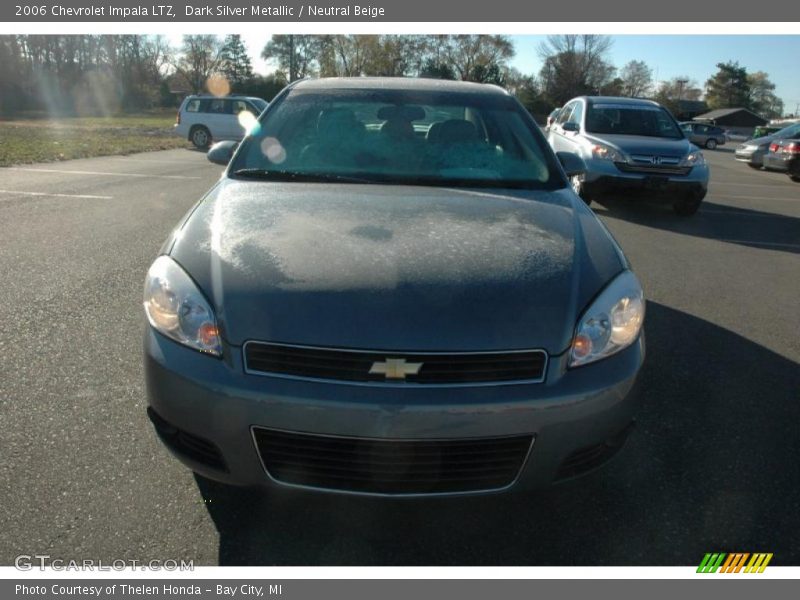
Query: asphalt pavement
[712,465]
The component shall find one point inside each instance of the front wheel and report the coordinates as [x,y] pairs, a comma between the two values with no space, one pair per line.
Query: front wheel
[795,178]
[754,166]
[578,183]
[711,143]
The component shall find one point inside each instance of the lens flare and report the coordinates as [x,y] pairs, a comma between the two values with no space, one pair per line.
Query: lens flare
[218,85]
[248,121]
[273,150]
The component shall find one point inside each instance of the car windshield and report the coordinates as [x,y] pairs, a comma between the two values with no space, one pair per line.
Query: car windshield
[398,136]
[259,103]
[628,119]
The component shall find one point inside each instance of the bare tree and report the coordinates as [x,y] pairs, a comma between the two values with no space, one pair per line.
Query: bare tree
[199,58]
[574,65]
[637,79]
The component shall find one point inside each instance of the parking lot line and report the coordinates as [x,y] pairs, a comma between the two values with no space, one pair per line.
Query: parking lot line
[102,173]
[54,195]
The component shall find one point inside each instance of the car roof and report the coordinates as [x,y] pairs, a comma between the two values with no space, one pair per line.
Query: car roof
[618,100]
[415,84]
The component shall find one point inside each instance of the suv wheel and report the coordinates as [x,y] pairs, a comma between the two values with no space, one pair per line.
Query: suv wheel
[711,143]
[688,205]
[579,187]
[200,137]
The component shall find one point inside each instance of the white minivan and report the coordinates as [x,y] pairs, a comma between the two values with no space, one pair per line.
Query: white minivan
[203,119]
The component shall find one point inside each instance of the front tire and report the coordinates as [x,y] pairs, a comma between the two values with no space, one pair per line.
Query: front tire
[711,143]
[578,184]
[795,178]
[754,166]
[200,137]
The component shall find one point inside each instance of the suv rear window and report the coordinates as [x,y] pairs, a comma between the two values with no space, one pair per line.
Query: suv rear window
[193,105]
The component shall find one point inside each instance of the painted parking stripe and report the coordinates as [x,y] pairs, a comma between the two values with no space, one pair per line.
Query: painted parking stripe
[53,195]
[102,173]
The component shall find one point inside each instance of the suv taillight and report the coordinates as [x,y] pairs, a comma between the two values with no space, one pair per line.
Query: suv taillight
[178,117]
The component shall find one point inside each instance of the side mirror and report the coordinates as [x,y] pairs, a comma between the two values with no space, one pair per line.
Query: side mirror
[570,126]
[221,153]
[572,163]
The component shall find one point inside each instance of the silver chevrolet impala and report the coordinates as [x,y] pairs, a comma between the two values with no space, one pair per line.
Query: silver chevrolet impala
[392,290]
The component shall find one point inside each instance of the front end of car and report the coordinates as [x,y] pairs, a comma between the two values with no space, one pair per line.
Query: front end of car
[659,173]
[451,377]
[752,152]
[266,414]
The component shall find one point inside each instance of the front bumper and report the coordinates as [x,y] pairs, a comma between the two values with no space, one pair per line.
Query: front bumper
[604,177]
[214,401]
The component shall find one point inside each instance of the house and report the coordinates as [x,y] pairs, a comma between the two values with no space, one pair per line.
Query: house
[739,121]
[689,109]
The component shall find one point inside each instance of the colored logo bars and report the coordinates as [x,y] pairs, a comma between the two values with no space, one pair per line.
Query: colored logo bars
[734,562]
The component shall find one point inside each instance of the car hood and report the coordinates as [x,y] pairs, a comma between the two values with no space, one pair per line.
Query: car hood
[395,267]
[642,144]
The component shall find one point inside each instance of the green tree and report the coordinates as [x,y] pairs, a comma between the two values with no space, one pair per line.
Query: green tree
[728,87]
[235,62]
[762,98]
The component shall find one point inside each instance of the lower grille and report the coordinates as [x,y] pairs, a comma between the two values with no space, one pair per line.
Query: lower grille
[397,367]
[392,466]
[653,169]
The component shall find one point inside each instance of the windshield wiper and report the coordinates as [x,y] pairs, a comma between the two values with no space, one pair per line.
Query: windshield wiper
[276,175]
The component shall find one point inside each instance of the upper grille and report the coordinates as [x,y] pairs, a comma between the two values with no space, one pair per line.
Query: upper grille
[371,466]
[355,365]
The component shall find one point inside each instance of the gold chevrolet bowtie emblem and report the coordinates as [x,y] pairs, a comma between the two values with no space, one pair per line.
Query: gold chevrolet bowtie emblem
[395,368]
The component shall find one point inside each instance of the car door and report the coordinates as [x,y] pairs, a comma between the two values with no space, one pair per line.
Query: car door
[562,140]
[218,118]
[240,106]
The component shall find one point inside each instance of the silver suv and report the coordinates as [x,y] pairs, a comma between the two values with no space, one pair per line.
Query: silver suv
[631,147]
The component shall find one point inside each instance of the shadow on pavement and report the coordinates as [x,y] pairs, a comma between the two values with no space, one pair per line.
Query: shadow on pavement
[712,466]
[744,226]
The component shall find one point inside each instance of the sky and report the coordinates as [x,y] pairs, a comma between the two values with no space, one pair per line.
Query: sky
[693,56]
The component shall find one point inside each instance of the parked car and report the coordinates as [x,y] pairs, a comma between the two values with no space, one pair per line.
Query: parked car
[205,119]
[552,117]
[753,151]
[631,146]
[784,156]
[704,135]
[375,301]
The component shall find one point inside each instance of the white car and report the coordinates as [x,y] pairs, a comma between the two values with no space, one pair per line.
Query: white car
[203,119]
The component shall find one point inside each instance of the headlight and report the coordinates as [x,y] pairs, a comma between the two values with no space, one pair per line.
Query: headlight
[604,152]
[176,308]
[693,159]
[611,323]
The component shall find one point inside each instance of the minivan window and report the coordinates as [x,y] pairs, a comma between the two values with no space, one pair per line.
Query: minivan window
[390,136]
[219,106]
[631,119]
[193,105]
